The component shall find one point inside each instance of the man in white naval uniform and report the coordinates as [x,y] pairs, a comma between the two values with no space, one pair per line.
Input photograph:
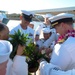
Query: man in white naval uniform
[7,67]
[26,18]
[40,42]
[46,24]
[64,52]
[50,41]
[47,33]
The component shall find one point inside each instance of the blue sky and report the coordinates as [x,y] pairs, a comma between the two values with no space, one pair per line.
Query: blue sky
[17,5]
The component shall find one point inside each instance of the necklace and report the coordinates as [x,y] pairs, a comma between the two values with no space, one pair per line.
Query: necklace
[62,38]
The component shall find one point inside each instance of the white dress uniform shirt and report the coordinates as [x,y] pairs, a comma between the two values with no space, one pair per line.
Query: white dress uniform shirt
[18,66]
[28,31]
[39,43]
[63,54]
[46,68]
[25,31]
[51,69]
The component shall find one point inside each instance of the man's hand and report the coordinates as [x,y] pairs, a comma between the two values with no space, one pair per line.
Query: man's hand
[48,51]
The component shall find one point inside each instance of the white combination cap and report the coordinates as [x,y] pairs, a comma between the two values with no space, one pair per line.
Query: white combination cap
[27,12]
[37,33]
[27,15]
[5,50]
[46,30]
[62,17]
[48,16]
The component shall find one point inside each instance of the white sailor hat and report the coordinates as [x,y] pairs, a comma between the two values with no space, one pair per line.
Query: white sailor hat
[46,30]
[27,15]
[5,50]
[48,16]
[62,17]
[37,33]
[1,17]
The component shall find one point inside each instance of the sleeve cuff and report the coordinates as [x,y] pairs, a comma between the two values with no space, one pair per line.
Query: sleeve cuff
[19,58]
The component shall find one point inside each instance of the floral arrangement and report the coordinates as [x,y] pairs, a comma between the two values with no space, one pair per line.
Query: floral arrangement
[16,39]
[33,55]
[64,37]
[31,51]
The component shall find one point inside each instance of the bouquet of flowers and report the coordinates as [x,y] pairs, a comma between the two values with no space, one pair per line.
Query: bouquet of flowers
[33,55]
[31,51]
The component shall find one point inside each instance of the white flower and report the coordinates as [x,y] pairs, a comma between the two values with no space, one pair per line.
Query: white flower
[43,51]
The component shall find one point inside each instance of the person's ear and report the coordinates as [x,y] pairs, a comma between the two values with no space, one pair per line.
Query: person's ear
[21,17]
[63,25]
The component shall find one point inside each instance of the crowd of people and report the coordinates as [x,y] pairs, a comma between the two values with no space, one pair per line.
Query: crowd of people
[57,41]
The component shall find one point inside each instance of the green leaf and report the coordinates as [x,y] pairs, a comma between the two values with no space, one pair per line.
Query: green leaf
[16,39]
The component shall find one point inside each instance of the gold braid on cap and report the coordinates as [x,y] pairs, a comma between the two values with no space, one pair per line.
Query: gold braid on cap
[54,24]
